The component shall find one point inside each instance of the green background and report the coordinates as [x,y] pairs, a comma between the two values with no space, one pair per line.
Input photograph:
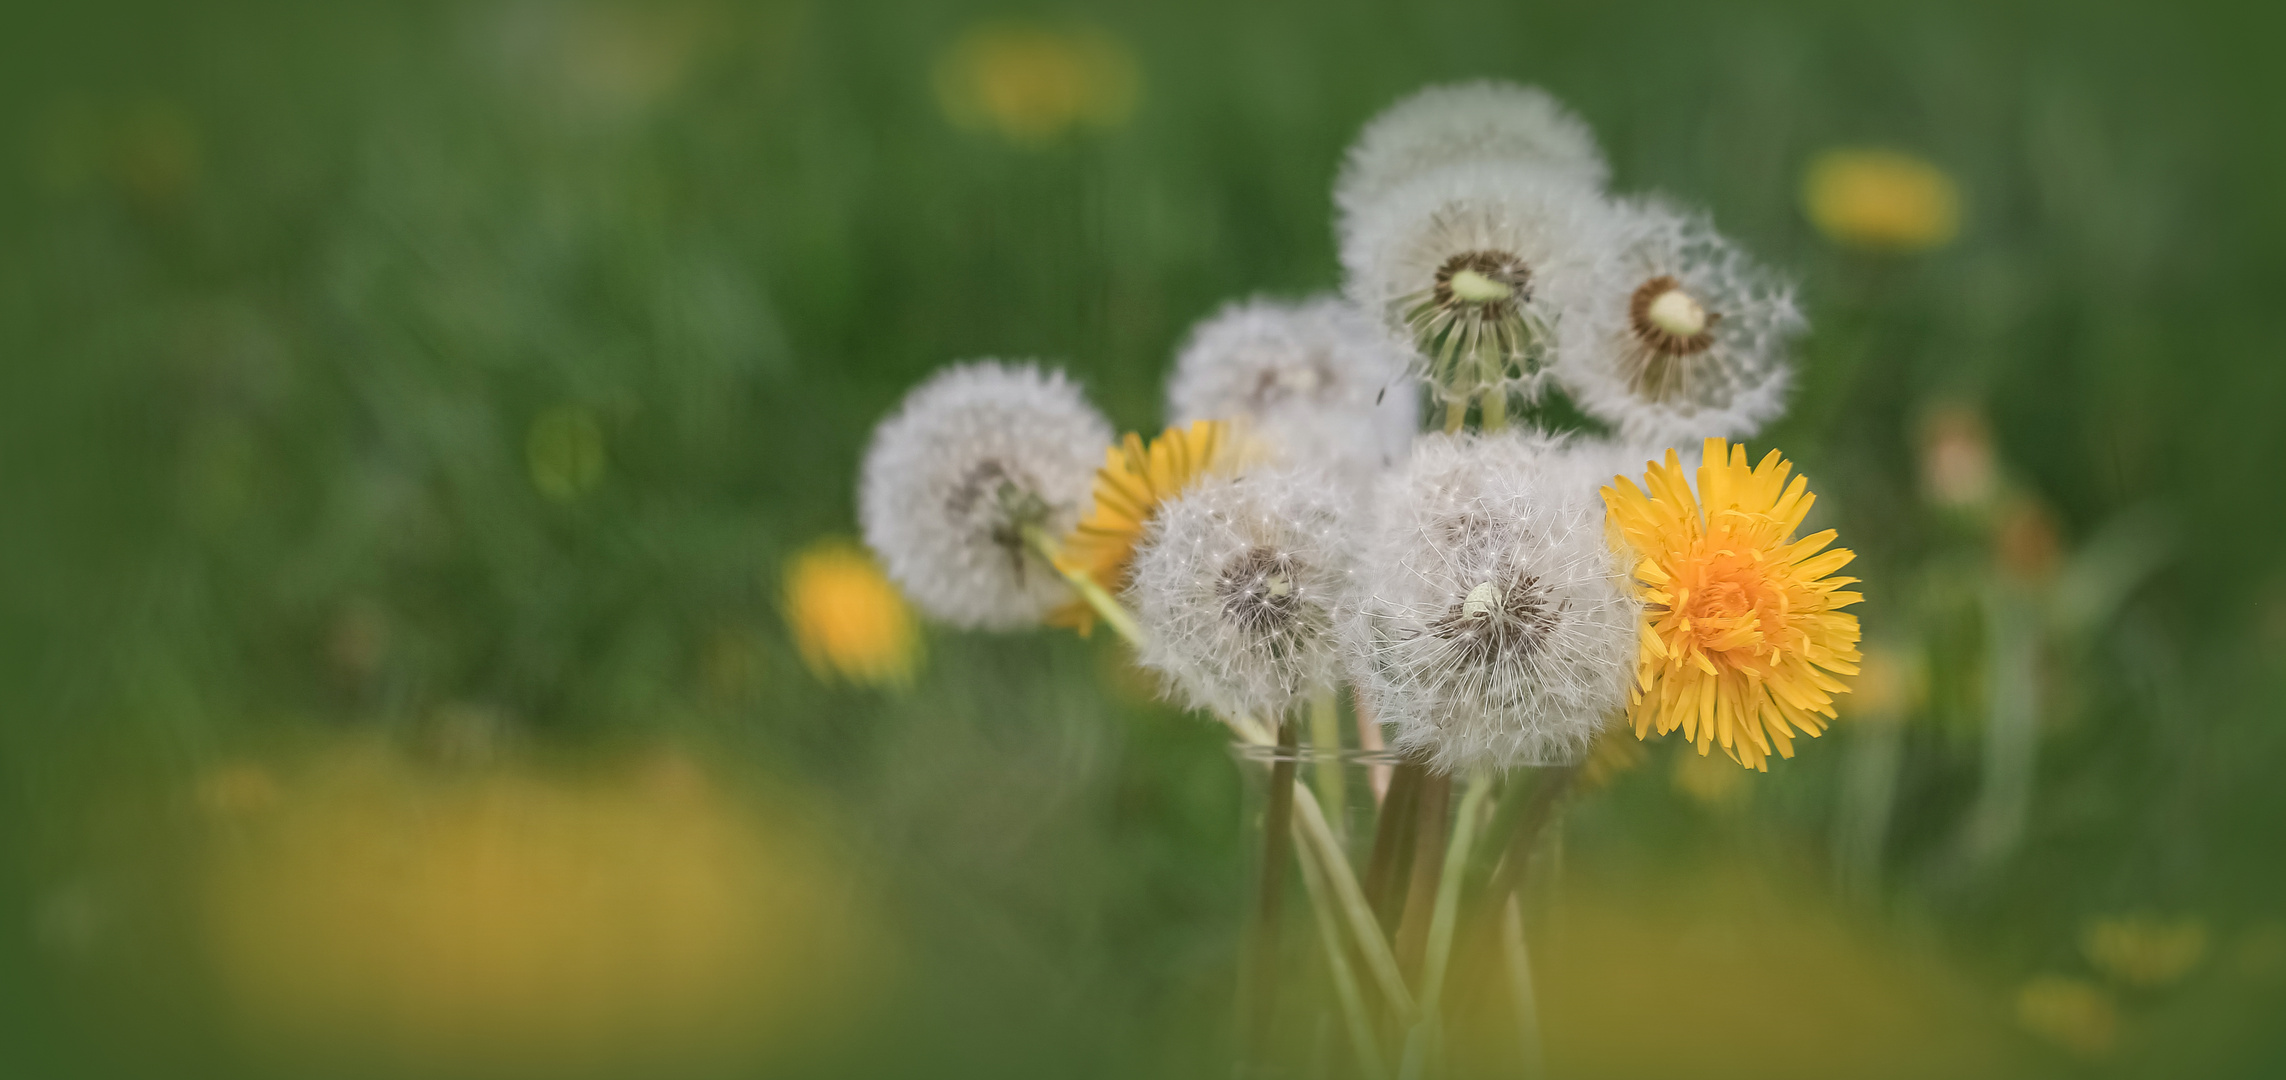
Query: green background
[284,289]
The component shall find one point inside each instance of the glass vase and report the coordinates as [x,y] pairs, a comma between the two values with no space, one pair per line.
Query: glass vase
[1386,925]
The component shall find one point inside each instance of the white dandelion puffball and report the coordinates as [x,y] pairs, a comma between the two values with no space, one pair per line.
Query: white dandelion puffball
[1480,268]
[1486,121]
[1239,584]
[973,457]
[1685,339]
[1494,626]
[1315,380]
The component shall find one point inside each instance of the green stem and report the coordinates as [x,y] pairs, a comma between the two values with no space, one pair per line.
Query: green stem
[1277,848]
[1440,943]
[1363,928]
[1386,868]
[1363,1041]
[1430,819]
[1107,607]
[1522,997]
[1325,746]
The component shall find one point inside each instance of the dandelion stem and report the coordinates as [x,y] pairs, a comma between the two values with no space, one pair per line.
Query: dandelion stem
[1325,741]
[1441,930]
[1107,607]
[1429,822]
[1363,1042]
[1392,840]
[1456,414]
[1522,998]
[1440,936]
[1362,926]
[1277,847]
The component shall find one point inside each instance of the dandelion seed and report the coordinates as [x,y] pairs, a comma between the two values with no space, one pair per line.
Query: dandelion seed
[1881,199]
[1493,625]
[1239,583]
[974,457]
[1134,480]
[1685,337]
[1742,636]
[1486,121]
[1476,266]
[848,621]
[1316,381]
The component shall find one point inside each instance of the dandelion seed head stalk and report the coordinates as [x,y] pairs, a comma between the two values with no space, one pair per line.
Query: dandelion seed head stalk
[1239,584]
[1685,336]
[1478,267]
[971,458]
[1493,626]
[1316,381]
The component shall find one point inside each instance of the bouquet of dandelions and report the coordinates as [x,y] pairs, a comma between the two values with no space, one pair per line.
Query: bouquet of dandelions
[1493,597]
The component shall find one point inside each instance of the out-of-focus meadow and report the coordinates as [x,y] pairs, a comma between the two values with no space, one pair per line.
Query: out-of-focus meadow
[434,643]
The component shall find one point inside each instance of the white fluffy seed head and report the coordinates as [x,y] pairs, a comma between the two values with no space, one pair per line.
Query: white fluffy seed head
[1494,626]
[973,456]
[1315,381]
[1239,583]
[1685,336]
[1479,268]
[1486,121]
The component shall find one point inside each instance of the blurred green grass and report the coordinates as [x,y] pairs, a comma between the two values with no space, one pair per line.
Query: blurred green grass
[284,290]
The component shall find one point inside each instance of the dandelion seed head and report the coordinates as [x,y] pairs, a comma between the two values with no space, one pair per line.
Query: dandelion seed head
[1479,268]
[1686,336]
[1487,121]
[1240,583]
[1493,627]
[973,457]
[1315,381]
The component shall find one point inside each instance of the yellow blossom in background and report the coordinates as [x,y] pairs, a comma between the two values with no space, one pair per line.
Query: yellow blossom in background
[2073,1013]
[1892,683]
[848,621]
[1742,632]
[1614,751]
[2143,951]
[1707,781]
[1134,480]
[564,451]
[507,919]
[1032,84]
[1882,199]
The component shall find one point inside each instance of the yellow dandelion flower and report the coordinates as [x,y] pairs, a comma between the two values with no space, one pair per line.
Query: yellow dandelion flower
[2143,951]
[1134,480]
[1742,638]
[848,620]
[1032,83]
[1881,199]
[2074,1014]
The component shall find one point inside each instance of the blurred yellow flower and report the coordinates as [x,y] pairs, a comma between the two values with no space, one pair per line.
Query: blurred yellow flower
[1033,83]
[564,451]
[1708,781]
[510,920]
[2143,951]
[1892,683]
[1615,750]
[1881,199]
[1742,632]
[2073,1013]
[848,621]
[1134,480]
